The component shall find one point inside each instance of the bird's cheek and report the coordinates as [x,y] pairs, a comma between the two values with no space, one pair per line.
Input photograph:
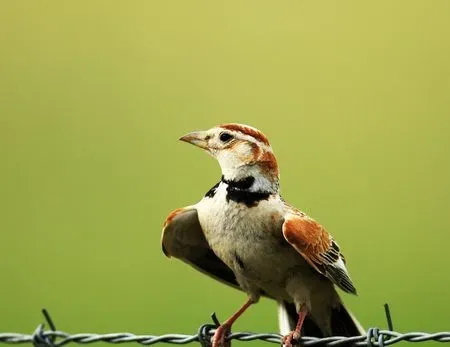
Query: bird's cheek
[226,159]
[246,156]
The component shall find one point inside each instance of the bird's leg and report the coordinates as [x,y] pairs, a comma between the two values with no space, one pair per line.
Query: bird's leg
[222,331]
[293,337]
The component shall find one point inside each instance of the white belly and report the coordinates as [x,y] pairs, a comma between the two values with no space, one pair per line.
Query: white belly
[249,240]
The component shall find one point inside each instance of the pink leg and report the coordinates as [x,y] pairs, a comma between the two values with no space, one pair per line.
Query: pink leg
[290,339]
[221,333]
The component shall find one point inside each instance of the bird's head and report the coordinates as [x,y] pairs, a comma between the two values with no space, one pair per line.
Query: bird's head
[241,150]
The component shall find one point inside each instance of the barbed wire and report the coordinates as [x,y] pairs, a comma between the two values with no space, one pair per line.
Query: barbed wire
[374,337]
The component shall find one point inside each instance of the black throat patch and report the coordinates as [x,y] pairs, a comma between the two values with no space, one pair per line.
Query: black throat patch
[239,191]
[212,191]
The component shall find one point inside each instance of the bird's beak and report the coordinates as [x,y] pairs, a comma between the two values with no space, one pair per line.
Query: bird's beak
[196,138]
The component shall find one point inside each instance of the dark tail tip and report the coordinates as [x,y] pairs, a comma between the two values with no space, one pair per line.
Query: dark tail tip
[343,324]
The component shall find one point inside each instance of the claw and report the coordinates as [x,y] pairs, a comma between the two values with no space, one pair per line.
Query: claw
[219,338]
[223,330]
[290,340]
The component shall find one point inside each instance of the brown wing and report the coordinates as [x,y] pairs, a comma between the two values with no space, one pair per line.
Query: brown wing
[318,248]
[183,238]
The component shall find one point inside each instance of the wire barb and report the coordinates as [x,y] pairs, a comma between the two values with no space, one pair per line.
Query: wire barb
[204,334]
[215,319]
[387,311]
[40,338]
[48,319]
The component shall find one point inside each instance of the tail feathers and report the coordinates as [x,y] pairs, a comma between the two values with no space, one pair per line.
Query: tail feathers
[342,322]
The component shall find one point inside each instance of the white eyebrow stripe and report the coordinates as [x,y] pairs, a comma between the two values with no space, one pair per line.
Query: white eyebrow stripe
[259,143]
[249,139]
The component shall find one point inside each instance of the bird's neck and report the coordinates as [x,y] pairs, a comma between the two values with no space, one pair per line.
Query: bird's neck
[250,178]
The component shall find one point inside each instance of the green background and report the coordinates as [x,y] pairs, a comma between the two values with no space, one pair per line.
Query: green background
[354,97]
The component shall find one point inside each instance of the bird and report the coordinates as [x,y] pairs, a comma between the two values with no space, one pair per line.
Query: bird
[244,234]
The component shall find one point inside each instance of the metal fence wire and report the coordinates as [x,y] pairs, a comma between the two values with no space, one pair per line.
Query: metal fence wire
[374,337]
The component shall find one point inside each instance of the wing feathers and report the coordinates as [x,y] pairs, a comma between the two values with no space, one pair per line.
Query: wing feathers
[318,248]
[183,238]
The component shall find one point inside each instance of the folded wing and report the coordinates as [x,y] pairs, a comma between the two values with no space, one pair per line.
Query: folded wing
[318,248]
[183,238]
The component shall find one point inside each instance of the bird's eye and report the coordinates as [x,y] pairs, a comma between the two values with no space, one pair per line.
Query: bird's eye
[225,137]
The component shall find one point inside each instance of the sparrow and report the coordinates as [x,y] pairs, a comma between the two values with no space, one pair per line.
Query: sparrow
[245,235]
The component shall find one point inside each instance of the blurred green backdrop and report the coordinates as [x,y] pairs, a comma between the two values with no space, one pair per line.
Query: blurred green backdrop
[354,97]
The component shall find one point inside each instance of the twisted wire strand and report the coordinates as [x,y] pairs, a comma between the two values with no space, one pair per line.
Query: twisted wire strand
[373,338]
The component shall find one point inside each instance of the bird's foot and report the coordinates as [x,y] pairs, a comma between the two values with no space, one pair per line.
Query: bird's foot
[220,335]
[291,339]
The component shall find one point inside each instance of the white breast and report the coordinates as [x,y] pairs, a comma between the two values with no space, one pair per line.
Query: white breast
[234,230]
[228,221]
